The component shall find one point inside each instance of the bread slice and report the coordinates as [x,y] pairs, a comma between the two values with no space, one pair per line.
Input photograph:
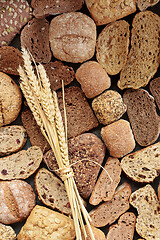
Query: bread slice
[124,229]
[143,165]
[98,234]
[108,212]
[155,90]
[144,45]
[7,232]
[148,221]
[159,191]
[144,4]
[112,46]
[105,188]
[12,139]
[20,165]
[142,114]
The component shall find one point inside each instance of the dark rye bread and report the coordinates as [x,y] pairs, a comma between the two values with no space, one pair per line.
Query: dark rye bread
[56,72]
[84,148]
[145,40]
[155,90]
[142,114]
[34,131]
[108,212]
[20,165]
[80,117]
[10,59]
[144,4]
[52,7]
[14,15]
[35,37]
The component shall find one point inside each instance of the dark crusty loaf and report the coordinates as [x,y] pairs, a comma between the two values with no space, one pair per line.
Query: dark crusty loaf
[7,232]
[143,165]
[20,165]
[12,139]
[148,221]
[142,114]
[35,37]
[10,59]
[155,90]
[124,230]
[33,130]
[84,148]
[144,4]
[105,188]
[108,212]
[17,199]
[53,7]
[144,45]
[112,46]
[51,191]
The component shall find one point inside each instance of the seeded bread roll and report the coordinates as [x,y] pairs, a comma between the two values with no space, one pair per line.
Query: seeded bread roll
[7,232]
[144,45]
[105,188]
[112,46]
[17,200]
[155,90]
[144,4]
[12,139]
[20,165]
[148,221]
[98,234]
[108,212]
[143,117]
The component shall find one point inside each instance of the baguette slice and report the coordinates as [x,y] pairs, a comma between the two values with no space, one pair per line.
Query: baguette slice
[155,90]
[144,4]
[108,212]
[124,230]
[12,139]
[148,221]
[104,188]
[20,165]
[7,232]
[143,165]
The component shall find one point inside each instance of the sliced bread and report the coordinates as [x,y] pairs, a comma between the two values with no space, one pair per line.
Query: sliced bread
[142,114]
[143,165]
[98,234]
[108,212]
[144,4]
[20,165]
[105,188]
[112,46]
[144,45]
[148,221]
[12,139]
[155,90]
[124,230]
[7,232]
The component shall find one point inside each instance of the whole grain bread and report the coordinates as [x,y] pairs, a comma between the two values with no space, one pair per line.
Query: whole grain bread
[144,4]
[12,139]
[17,199]
[35,37]
[144,45]
[148,221]
[108,212]
[105,188]
[124,230]
[143,165]
[7,232]
[51,191]
[44,222]
[20,165]
[155,90]
[52,7]
[142,114]
[98,234]
[112,46]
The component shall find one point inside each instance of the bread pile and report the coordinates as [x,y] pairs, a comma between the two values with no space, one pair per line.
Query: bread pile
[113,115]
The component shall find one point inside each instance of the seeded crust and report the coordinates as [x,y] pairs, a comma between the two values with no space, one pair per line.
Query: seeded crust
[17,199]
[10,59]
[104,188]
[124,229]
[52,7]
[144,4]
[155,90]
[106,11]
[142,114]
[108,212]
[12,139]
[44,222]
[148,221]
[145,42]
[98,234]
[35,37]
[7,232]
[20,165]
[112,46]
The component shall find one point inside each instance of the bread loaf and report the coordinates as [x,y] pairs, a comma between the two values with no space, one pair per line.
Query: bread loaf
[7,232]
[155,90]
